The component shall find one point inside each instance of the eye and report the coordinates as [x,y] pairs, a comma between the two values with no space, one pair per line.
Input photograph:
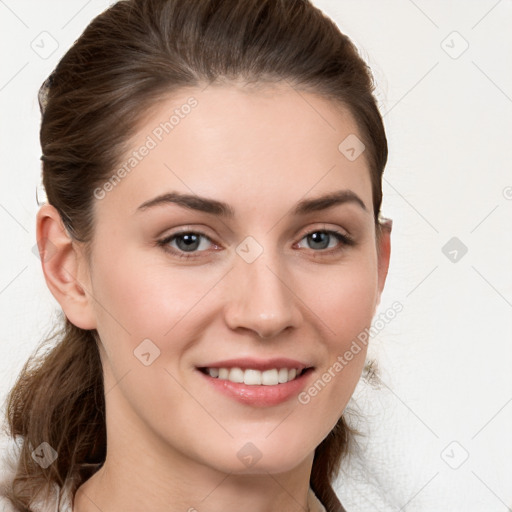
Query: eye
[327,239]
[186,243]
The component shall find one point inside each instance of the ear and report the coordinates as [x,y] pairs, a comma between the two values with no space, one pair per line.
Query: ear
[383,254]
[65,268]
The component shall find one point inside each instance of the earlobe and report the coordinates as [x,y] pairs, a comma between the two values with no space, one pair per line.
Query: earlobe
[64,268]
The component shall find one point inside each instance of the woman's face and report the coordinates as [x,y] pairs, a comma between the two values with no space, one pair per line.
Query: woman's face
[185,284]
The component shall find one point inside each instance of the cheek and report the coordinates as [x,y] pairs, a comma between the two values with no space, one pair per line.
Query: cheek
[138,300]
[344,300]
[344,305]
[351,312]
[144,298]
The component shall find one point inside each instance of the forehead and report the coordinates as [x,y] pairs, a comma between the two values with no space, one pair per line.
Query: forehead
[239,143]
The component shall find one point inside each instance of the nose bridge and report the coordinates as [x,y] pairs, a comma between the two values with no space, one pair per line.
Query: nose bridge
[262,300]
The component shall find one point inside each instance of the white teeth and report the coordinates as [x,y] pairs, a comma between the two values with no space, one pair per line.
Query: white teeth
[270,377]
[236,375]
[283,375]
[254,377]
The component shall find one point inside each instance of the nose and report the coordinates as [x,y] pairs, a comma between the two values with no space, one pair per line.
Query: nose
[261,299]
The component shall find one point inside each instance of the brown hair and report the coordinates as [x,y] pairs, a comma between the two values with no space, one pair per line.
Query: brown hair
[129,57]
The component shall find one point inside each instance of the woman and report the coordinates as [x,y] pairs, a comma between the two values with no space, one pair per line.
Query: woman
[213,236]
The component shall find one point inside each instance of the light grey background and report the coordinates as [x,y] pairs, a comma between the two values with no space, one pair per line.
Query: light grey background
[439,428]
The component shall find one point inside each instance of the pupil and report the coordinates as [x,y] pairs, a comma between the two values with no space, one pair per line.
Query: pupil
[189,240]
[320,238]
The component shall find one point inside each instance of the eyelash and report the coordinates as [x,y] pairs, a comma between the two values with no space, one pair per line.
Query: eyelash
[346,241]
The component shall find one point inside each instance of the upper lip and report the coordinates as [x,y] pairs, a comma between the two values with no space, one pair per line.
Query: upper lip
[258,364]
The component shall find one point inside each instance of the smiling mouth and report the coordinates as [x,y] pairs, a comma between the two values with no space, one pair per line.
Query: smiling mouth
[252,377]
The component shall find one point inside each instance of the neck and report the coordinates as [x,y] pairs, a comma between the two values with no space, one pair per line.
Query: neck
[140,473]
[133,484]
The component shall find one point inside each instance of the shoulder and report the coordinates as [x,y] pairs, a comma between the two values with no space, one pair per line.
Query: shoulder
[9,455]
[9,451]
[314,504]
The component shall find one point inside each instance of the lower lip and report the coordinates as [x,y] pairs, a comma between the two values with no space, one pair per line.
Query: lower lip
[259,395]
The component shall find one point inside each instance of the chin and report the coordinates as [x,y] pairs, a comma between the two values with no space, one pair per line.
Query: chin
[262,456]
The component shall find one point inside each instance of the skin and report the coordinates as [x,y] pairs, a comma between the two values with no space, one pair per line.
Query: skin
[172,439]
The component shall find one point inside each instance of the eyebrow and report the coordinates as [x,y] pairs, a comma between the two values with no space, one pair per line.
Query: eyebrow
[221,209]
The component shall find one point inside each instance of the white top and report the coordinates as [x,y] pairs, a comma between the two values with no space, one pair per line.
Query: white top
[8,462]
